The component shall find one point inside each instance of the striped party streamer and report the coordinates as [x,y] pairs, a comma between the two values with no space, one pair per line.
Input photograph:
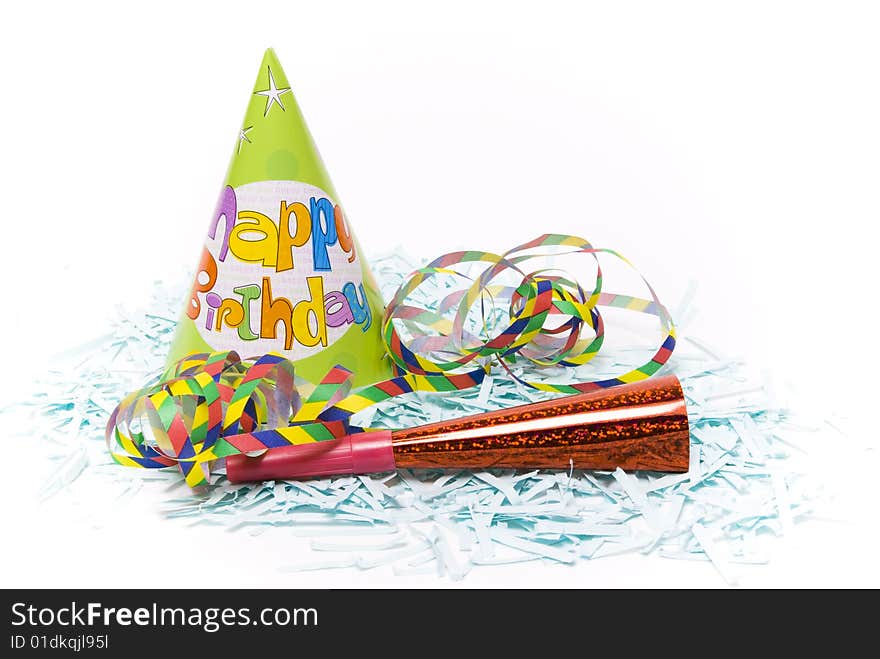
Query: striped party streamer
[443,346]
[215,405]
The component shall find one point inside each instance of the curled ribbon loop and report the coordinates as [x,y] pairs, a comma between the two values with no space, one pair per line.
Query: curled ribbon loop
[440,346]
[215,404]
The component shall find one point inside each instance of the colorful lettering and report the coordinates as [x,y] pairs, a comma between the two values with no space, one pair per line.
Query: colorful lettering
[363,315]
[306,310]
[214,301]
[207,271]
[322,236]
[262,250]
[231,312]
[337,309]
[274,311]
[247,293]
[253,309]
[346,241]
[226,209]
[286,241]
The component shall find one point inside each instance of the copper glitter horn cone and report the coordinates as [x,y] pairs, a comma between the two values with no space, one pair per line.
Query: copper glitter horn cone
[639,426]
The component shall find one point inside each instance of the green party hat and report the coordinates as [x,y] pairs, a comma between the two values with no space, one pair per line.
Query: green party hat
[281,270]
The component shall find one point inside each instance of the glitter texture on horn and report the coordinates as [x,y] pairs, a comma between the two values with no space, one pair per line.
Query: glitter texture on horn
[640,426]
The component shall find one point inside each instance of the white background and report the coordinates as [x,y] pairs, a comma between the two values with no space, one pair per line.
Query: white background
[733,144]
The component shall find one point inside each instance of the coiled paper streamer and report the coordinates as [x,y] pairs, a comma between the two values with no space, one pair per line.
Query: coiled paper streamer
[216,405]
[538,297]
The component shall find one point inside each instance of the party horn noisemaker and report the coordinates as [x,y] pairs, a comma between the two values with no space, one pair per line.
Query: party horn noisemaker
[639,426]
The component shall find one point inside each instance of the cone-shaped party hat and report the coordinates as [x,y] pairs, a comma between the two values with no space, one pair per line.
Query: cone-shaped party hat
[281,270]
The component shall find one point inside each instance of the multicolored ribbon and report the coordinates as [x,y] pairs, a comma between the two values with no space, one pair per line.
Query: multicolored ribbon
[440,346]
[215,405]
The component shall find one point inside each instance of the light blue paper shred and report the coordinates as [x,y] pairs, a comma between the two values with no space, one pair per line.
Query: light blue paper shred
[741,482]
